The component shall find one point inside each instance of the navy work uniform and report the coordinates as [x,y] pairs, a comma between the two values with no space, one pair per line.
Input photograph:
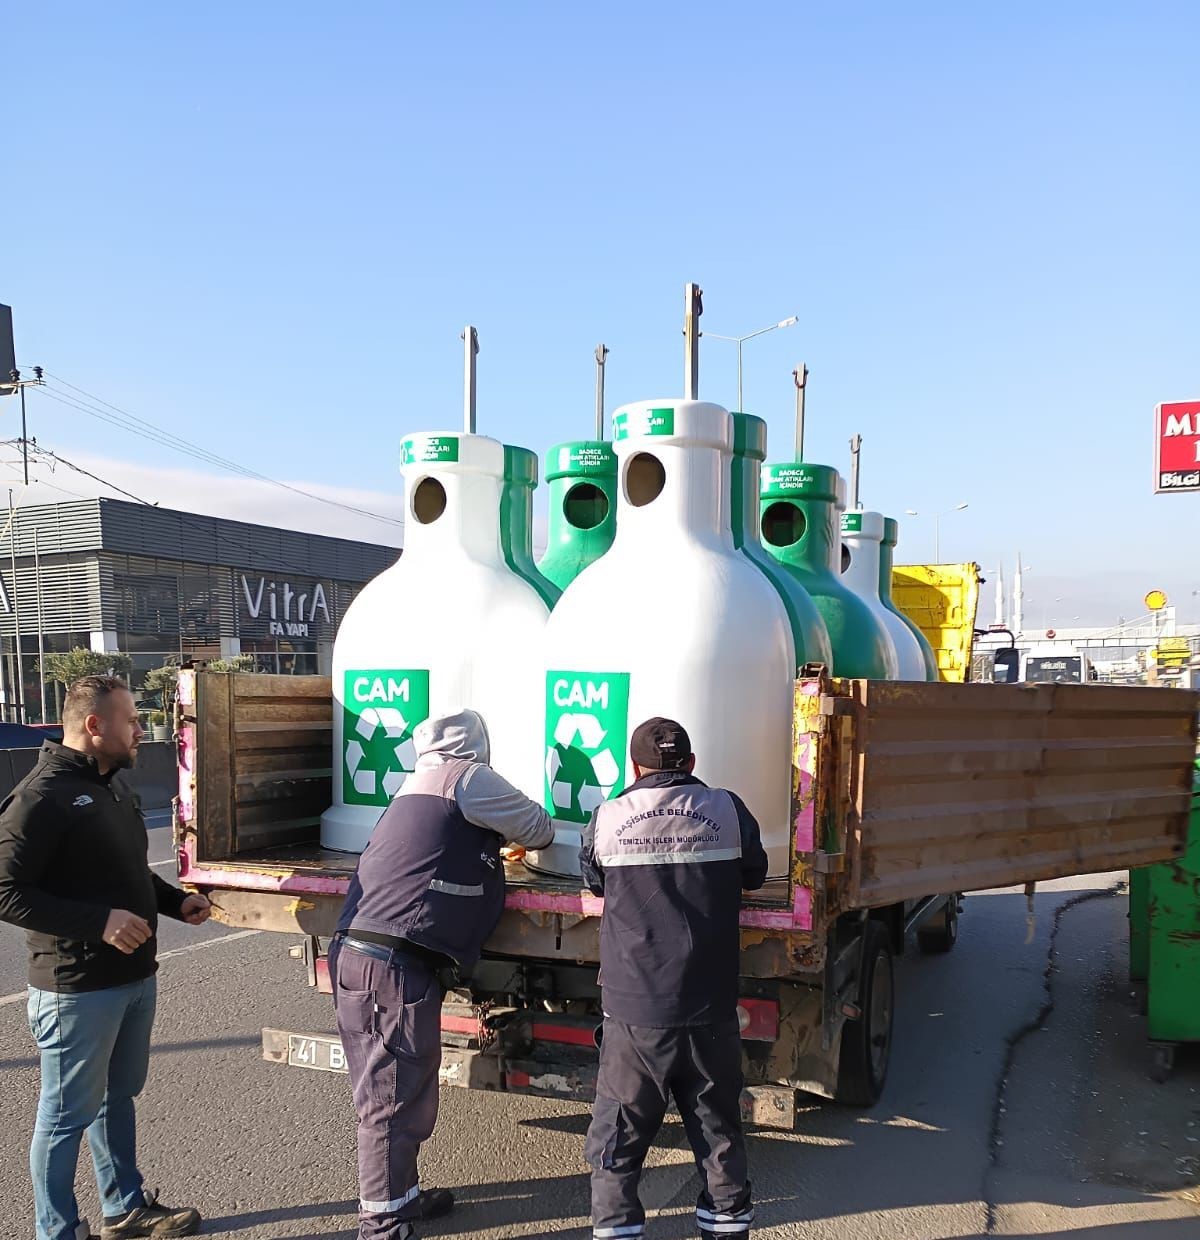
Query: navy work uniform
[428,891]
[671,857]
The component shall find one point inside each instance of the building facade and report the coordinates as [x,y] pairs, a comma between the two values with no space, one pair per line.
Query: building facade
[160,585]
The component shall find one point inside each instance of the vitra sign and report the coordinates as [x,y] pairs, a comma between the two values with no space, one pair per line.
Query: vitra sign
[279,608]
[1177,446]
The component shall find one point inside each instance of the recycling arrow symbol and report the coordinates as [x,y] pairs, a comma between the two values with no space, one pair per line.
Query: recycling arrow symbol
[581,770]
[380,754]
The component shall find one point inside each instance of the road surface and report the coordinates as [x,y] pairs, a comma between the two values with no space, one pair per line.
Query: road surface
[993,1123]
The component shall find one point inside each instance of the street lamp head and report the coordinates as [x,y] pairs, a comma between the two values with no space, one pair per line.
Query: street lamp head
[960,507]
[788,322]
[911,512]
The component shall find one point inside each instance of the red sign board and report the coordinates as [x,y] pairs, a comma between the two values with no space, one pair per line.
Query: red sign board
[1177,446]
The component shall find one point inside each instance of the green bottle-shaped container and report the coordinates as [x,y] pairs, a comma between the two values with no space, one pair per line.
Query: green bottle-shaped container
[583,507]
[749,452]
[516,520]
[800,518]
[887,551]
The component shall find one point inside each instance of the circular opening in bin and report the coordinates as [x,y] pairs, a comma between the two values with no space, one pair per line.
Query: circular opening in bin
[429,500]
[585,506]
[645,478]
[783,523]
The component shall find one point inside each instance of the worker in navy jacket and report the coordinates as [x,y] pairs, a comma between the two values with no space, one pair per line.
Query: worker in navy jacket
[428,891]
[671,856]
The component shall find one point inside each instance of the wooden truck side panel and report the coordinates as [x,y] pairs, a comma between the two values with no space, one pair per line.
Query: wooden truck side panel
[964,787]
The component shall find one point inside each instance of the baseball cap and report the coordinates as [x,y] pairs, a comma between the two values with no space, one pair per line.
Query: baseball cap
[660,745]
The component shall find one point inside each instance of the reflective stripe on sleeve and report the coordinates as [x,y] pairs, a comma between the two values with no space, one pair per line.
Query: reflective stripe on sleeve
[455,889]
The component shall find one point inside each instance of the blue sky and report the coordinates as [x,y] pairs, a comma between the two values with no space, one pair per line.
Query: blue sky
[264,226]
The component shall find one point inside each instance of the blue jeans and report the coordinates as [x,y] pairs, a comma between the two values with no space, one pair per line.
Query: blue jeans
[95,1050]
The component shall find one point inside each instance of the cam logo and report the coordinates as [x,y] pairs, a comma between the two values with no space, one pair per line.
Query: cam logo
[587,727]
[380,709]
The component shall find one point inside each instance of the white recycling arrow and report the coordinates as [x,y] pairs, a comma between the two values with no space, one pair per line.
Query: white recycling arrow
[393,722]
[392,781]
[364,783]
[367,723]
[406,755]
[586,727]
[561,795]
[553,763]
[605,767]
[590,797]
[354,756]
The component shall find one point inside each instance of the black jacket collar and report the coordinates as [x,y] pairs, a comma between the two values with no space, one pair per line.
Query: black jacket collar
[64,758]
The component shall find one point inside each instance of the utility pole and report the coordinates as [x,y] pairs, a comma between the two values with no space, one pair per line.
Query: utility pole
[18,384]
[19,694]
[693,308]
[855,456]
[800,375]
[601,356]
[470,338]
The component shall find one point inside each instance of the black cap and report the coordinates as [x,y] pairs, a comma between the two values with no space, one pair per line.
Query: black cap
[660,745]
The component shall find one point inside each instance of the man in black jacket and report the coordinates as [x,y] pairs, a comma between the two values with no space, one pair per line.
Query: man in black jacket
[74,875]
[671,856]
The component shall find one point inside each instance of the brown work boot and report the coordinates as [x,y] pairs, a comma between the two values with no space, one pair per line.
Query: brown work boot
[152,1219]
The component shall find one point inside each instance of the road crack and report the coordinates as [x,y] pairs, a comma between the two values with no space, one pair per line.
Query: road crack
[1013,1041]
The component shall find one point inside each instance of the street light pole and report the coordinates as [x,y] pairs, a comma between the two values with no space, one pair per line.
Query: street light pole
[937,517]
[740,340]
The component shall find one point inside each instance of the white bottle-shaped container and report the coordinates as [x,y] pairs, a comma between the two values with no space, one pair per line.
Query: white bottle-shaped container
[862,538]
[450,626]
[672,621]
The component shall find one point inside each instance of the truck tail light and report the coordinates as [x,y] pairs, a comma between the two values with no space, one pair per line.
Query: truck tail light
[758,1019]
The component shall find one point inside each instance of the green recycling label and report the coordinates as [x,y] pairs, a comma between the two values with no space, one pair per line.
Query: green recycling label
[630,422]
[600,459]
[787,478]
[380,709]
[852,522]
[419,449]
[587,726]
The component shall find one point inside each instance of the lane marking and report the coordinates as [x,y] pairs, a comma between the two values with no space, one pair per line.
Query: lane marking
[169,861]
[23,995]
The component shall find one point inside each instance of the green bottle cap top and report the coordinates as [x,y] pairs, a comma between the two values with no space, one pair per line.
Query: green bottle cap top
[520,465]
[749,436]
[799,480]
[582,458]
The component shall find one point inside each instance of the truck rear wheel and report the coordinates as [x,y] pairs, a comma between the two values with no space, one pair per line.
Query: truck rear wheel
[867,1040]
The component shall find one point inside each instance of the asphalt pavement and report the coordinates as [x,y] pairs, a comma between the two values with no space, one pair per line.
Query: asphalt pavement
[996,1119]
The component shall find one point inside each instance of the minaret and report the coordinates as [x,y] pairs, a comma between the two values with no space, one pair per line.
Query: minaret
[1018,600]
[1000,622]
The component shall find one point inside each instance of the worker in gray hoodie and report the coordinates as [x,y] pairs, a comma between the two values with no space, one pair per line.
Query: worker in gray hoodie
[428,891]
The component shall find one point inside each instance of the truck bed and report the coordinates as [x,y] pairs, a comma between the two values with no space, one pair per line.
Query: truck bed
[899,790]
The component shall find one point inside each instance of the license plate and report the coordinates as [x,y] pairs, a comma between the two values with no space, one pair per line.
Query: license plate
[324,1054]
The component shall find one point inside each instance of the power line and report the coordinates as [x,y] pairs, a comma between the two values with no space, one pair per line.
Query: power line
[196,523]
[87,473]
[96,407]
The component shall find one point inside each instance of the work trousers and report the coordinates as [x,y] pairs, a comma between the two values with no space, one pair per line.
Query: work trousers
[389,1019]
[641,1070]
